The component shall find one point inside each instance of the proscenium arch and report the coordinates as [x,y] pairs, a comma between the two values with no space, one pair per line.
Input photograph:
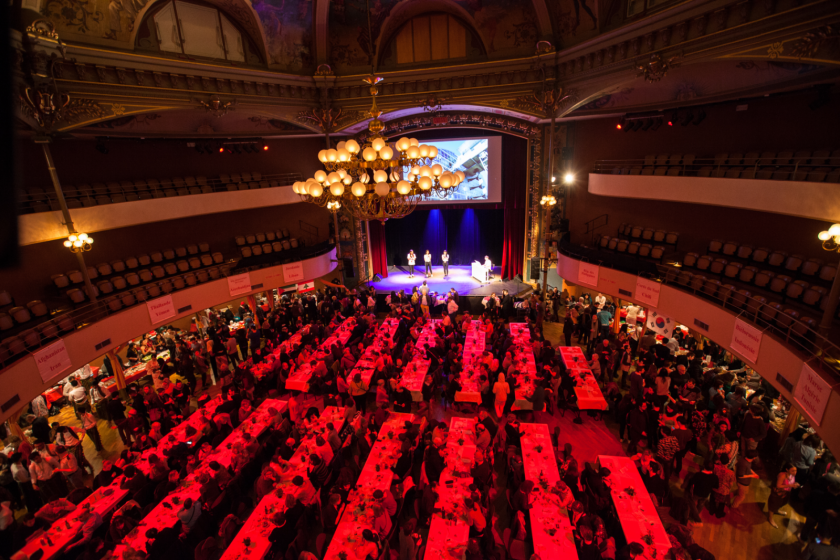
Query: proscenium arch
[240,11]
[452,109]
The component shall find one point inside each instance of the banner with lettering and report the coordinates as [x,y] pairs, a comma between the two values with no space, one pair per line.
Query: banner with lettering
[588,274]
[647,292]
[659,323]
[293,272]
[812,393]
[52,360]
[239,284]
[746,340]
[161,309]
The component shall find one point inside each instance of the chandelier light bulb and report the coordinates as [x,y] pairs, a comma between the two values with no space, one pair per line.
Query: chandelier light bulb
[433,152]
[824,236]
[358,189]
[416,170]
[386,153]
[332,155]
[437,169]
[89,240]
[403,187]
[343,154]
[569,178]
[377,144]
[320,176]
[460,175]
[382,189]
[834,231]
[424,150]
[316,190]
[426,171]
[68,243]
[333,178]
[369,154]
[322,156]
[403,144]
[445,181]
[295,186]
[77,243]
[341,173]
[413,142]
[73,237]
[309,186]
[347,180]
[352,146]
[337,189]
[411,177]
[380,176]
[425,183]
[413,152]
[341,145]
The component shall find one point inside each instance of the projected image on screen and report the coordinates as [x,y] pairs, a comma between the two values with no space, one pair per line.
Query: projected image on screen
[471,157]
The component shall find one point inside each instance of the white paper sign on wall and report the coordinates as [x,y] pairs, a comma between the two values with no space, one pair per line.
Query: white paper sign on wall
[746,340]
[588,274]
[239,284]
[812,393]
[647,292]
[52,360]
[161,309]
[293,272]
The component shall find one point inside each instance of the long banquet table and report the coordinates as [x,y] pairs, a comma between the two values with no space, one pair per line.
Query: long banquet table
[551,530]
[165,513]
[474,346]
[636,511]
[449,530]
[523,359]
[299,380]
[366,364]
[376,475]
[132,374]
[105,499]
[415,371]
[589,395]
[272,361]
[252,539]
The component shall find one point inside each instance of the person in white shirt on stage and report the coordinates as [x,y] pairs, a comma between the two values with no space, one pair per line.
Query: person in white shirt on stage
[427,258]
[488,266]
[445,258]
[412,258]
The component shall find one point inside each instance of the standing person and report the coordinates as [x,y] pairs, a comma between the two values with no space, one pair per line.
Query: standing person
[488,267]
[507,305]
[744,475]
[358,390]
[501,390]
[698,488]
[116,412]
[779,496]
[427,258]
[424,293]
[568,328]
[452,309]
[412,258]
[89,424]
[445,260]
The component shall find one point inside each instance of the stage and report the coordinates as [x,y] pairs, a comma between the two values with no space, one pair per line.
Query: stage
[459,278]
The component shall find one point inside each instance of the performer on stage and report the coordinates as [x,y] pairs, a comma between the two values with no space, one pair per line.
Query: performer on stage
[412,258]
[488,266]
[427,258]
[445,258]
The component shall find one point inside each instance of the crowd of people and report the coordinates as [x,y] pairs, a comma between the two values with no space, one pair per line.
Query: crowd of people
[669,398]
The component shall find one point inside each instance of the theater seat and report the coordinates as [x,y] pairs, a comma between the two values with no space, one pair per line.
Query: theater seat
[744,251]
[747,274]
[718,265]
[776,258]
[732,270]
[780,283]
[764,278]
[704,262]
[645,249]
[813,295]
[796,289]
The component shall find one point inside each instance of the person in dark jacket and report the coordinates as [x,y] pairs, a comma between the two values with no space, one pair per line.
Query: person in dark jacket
[637,426]
[507,306]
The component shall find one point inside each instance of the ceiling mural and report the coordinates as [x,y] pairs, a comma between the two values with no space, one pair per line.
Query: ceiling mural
[507,27]
[287,25]
[574,21]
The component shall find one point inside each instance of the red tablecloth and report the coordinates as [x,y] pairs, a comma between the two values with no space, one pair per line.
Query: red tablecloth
[106,499]
[474,346]
[415,372]
[52,395]
[366,365]
[551,530]
[523,359]
[588,393]
[639,518]
[165,514]
[573,357]
[258,526]
[449,530]
[299,380]
[376,475]
[272,361]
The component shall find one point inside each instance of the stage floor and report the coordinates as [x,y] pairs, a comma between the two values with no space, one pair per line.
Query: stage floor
[459,278]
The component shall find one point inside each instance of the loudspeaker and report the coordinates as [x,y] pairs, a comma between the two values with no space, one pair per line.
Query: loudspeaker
[376,278]
[535,268]
[564,225]
[349,271]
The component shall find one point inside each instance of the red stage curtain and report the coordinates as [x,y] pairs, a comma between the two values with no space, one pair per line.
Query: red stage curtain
[514,185]
[378,253]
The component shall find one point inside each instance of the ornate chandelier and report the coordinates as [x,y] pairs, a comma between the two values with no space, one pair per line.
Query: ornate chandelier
[377,180]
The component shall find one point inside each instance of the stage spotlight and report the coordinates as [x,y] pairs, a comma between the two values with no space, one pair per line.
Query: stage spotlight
[569,178]
[621,124]
[553,178]
[647,124]
[265,147]
[634,125]
[221,150]
[686,120]
[618,126]
[701,115]
[246,148]
[656,123]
